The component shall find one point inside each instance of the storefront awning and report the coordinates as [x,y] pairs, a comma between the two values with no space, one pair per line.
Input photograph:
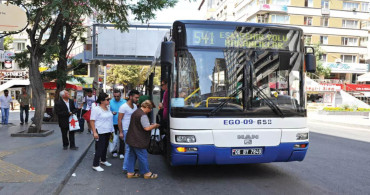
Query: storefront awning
[364,77]
[53,85]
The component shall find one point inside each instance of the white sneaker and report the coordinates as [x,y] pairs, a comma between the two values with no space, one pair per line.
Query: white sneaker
[115,155]
[98,168]
[121,156]
[106,163]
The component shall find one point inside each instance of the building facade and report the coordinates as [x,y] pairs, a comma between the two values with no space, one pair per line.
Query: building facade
[340,28]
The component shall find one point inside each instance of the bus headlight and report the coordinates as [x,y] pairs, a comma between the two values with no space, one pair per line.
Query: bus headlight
[185,138]
[302,136]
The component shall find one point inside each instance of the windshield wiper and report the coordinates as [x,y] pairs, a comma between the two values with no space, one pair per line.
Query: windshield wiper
[220,106]
[268,101]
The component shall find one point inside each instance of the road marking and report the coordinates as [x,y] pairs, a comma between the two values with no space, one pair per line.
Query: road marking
[10,173]
[335,125]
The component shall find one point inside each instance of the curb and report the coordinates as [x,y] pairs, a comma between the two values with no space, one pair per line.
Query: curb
[70,172]
[344,124]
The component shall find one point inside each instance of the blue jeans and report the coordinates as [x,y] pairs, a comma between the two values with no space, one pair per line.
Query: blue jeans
[142,156]
[4,115]
[127,150]
[26,109]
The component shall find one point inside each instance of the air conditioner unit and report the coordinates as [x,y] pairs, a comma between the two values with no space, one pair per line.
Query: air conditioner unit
[338,60]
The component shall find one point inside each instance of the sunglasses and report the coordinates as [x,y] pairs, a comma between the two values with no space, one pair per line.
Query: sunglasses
[107,99]
[117,96]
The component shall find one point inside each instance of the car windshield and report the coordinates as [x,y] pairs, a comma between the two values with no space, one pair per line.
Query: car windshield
[204,79]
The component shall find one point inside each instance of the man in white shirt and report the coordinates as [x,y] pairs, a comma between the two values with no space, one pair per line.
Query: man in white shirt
[5,101]
[124,118]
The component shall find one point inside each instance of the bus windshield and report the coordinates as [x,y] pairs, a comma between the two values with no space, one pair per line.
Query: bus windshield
[205,78]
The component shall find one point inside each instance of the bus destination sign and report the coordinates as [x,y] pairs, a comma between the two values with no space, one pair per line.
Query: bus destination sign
[225,38]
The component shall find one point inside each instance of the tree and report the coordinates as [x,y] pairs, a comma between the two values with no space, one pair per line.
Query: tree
[55,17]
[128,75]
[7,41]
[321,71]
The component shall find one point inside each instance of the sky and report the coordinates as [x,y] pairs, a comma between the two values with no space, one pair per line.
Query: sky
[183,10]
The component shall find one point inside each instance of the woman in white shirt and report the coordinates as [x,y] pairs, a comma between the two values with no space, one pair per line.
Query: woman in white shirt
[101,121]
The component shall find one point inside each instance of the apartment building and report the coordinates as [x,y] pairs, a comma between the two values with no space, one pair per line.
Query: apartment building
[340,27]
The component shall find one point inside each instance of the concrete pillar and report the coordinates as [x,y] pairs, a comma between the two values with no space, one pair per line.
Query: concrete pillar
[94,72]
[105,75]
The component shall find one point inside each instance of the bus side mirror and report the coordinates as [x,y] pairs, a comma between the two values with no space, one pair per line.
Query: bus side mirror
[310,60]
[167,58]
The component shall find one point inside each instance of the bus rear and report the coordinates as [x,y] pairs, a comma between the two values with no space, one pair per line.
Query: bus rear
[236,93]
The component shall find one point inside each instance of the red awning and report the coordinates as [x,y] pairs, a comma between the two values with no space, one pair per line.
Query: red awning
[53,85]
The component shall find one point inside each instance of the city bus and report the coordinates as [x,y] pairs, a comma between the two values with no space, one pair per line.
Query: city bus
[235,92]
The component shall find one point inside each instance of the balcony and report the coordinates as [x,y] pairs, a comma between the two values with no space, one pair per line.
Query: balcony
[273,8]
[267,8]
[325,11]
[365,25]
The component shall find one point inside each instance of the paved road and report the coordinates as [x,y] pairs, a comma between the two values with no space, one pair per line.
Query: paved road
[333,165]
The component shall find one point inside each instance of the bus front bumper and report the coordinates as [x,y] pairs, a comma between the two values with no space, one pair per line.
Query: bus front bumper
[209,154]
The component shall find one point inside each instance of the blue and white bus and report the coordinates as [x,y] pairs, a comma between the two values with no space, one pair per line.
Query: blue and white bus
[236,93]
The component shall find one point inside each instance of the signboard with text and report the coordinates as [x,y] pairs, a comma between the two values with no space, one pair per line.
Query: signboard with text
[12,18]
[347,67]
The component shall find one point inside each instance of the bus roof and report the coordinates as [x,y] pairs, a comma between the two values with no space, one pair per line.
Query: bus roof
[229,23]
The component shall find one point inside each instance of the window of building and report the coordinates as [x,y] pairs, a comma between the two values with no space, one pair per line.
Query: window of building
[280,2]
[324,21]
[324,40]
[325,4]
[365,7]
[351,6]
[349,41]
[350,24]
[307,39]
[263,1]
[262,18]
[363,41]
[20,46]
[308,3]
[348,58]
[308,21]
[323,57]
[283,19]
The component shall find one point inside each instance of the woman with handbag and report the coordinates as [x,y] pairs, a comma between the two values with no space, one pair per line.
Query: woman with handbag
[138,138]
[101,121]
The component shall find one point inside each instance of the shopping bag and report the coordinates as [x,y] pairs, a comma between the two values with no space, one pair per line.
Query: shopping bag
[87,115]
[156,143]
[113,143]
[73,123]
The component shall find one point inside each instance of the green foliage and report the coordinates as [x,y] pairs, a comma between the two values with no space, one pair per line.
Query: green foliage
[8,40]
[320,69]
[22,58]
[128,75]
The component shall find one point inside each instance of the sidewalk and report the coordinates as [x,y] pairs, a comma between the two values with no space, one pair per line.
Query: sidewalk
[346,120]
[36,165]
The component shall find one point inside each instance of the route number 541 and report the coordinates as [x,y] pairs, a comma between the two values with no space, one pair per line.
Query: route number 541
[203,38]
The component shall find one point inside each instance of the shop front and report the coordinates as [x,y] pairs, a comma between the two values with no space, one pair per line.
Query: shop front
[322,95]
[347,72]
[50,89]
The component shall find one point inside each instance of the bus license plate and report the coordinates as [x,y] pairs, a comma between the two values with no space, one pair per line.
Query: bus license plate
[246,152]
